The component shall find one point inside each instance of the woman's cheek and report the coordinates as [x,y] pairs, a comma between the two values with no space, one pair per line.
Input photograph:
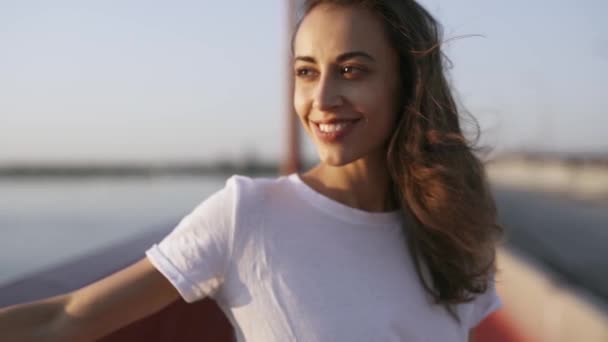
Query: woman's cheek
[298,105]
[380,114]
[301,100]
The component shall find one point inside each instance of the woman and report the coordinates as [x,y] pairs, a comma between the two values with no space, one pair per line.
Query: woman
[391,237]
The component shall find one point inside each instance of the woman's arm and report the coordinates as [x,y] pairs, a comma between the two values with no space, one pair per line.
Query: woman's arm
[31,321]
[91,311]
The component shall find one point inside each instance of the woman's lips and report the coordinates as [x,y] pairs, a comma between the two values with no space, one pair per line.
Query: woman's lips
[334,131]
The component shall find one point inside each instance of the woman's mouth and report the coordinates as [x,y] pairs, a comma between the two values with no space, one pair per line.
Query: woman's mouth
[333,131]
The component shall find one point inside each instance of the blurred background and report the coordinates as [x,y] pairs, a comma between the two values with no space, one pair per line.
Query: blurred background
[118,117]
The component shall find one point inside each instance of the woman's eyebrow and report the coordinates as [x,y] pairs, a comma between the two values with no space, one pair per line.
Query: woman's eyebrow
[341,58]
[346,56]
[305,59]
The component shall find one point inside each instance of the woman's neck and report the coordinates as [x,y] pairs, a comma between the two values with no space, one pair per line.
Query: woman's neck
[363,184]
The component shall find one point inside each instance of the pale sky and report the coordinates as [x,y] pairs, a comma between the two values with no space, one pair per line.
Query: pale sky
[197,80]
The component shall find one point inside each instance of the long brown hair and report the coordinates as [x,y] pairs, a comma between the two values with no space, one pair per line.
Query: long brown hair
[438,180]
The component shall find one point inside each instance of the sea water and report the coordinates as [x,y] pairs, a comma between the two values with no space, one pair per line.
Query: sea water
[47,221]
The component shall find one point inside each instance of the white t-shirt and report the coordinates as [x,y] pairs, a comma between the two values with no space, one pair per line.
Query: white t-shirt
[286,263]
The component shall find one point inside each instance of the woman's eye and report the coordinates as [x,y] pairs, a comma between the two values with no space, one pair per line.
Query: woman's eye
[347,69]
[351,71]
[305,72]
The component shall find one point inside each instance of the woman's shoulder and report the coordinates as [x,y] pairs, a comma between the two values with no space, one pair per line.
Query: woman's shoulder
[251,198]
[257,183]
[257,188]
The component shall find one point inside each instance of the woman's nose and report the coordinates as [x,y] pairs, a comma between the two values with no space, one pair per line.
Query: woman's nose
[327,94]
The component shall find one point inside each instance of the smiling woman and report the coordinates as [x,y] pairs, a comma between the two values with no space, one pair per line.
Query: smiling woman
[349,77]
[374,99]
[391,237]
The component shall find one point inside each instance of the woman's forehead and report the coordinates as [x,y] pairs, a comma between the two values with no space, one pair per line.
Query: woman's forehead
[330,30]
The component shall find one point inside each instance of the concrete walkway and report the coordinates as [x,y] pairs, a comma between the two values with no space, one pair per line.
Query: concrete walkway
[542,307]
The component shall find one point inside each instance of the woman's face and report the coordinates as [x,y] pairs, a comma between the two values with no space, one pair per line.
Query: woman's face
[346,83]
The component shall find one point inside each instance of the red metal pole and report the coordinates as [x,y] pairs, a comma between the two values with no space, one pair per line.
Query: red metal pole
[291,159]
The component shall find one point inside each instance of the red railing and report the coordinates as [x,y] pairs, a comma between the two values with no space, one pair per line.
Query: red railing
[201,321]
[204,321]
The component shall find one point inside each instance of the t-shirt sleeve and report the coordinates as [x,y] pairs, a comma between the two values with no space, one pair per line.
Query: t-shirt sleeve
[485,304]
[194,256]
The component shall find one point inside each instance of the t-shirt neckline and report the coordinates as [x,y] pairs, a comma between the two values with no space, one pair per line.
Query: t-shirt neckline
[342,211]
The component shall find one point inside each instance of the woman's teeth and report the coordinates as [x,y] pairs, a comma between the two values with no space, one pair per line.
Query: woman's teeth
[328,128]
